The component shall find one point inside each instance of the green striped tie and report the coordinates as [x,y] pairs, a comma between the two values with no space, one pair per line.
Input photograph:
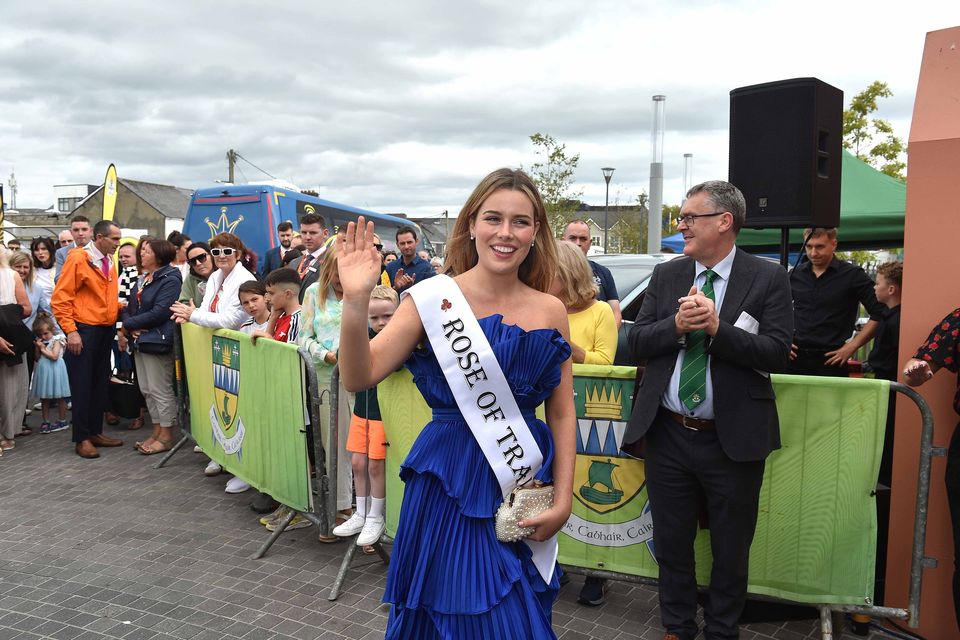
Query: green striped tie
[693,372]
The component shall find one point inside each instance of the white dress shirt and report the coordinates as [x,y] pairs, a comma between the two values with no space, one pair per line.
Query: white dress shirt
[671,397]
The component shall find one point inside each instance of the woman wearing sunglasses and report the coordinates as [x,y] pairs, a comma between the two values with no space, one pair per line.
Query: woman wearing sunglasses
[220,308]
[201,266]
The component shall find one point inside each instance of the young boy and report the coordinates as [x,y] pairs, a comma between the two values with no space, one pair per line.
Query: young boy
[283,295]
[367,441]
[253,299]
[882,360]
[283,292]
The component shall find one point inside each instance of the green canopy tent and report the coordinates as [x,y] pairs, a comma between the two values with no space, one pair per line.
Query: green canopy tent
[872,206]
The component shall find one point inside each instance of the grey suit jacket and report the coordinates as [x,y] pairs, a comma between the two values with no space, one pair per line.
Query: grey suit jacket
[744,403]
[60,257]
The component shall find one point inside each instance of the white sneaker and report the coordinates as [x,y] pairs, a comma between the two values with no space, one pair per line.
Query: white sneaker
[351,527]
[212,469]
[236,485]
[373,528]
[27,412]
[38,406]
[197,449]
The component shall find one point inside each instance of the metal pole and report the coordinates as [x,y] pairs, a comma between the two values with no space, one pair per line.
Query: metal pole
[606,217]
[607,174]
[655,219]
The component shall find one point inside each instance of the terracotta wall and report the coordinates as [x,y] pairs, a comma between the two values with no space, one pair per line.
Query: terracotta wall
[931,289]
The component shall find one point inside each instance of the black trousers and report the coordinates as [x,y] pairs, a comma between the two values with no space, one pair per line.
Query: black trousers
[684,466]
[89,375]
[952,478]
[809,362]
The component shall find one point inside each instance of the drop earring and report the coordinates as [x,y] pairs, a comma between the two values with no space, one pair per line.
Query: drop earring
[533,243]
[471,237]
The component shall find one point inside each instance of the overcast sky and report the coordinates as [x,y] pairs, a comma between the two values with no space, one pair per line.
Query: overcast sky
[404,106]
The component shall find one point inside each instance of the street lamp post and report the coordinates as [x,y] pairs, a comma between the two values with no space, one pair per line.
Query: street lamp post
[607,174]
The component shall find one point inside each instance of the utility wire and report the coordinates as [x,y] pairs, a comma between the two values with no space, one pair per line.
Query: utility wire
[256,167]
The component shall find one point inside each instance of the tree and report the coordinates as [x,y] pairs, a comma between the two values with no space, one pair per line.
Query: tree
[872,139]
[553,175]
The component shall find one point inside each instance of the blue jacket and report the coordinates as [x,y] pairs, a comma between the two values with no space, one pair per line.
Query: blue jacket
[149,311]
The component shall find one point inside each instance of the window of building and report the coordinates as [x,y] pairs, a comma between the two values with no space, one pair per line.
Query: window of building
[66,205]
[595,241]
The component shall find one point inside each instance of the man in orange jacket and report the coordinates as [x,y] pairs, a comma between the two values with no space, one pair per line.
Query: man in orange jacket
[85,303]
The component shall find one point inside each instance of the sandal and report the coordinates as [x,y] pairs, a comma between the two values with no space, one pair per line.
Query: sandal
[330,539]
[164,445]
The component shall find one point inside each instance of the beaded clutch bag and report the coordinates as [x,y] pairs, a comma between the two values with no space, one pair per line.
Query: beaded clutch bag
[519,505]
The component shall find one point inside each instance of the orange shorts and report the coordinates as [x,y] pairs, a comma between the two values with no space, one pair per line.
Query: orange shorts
[367,437]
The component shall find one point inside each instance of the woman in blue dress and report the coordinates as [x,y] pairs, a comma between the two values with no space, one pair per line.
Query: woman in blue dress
[449,576]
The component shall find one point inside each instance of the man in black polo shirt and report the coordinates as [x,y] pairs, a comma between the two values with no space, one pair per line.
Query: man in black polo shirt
[826,295]
[410,268]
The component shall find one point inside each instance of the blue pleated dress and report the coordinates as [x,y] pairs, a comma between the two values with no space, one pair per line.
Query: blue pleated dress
[449,577]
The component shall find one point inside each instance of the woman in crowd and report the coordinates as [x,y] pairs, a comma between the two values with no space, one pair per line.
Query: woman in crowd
[43,252]
[147,323]
[14,381]
[449,576]
[593,330]
[39,302]
[388,257]
[220,307]
[320,335]
[201,266]
[181,243]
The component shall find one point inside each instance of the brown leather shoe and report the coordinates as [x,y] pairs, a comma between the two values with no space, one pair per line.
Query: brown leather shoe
[101,440]
[86,449]
[671,636]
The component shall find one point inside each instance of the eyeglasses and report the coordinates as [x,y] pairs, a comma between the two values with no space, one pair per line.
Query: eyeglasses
[226,251]
[690,220]
[195,260]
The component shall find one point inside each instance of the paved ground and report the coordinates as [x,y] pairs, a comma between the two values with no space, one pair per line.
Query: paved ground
[112,548]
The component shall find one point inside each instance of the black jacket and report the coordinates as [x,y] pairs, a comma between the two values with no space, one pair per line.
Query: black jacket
[149,310]
[14,331]
[745,409]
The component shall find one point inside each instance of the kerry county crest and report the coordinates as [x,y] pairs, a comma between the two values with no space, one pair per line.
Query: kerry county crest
[228,429]
[605,482]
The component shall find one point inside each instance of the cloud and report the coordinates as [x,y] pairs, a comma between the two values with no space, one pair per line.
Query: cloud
[404,106]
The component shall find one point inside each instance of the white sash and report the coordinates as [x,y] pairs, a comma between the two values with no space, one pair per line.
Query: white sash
[482,394]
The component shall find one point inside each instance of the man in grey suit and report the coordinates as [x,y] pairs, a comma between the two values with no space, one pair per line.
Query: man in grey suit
[713,326]
[80,230]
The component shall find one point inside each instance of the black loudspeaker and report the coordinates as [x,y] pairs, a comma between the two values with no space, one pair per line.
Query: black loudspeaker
[785,152]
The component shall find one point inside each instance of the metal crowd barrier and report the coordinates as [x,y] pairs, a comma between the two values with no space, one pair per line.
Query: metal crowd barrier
[326,455]
[918,562]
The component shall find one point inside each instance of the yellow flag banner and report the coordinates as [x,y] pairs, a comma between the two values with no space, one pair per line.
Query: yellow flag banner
[110,192]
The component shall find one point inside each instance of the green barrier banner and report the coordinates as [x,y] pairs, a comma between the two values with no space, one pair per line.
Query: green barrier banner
[247,410]
[816,534]
[610,526]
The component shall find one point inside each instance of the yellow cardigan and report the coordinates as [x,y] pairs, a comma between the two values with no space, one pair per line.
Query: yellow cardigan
[595,331]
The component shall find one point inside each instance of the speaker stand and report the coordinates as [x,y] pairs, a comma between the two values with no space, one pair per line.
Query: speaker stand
[785,247]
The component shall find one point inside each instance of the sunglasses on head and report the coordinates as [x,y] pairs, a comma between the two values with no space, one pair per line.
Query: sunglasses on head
[226,251]
[195,260]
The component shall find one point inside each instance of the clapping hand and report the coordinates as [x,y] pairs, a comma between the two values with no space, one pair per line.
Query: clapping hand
[403,280]
[358,261]
[696,312]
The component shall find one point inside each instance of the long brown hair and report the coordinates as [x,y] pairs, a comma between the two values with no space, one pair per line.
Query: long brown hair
[325,277]
[540,265]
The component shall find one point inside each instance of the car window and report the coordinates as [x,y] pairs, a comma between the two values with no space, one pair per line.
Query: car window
[627,277]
